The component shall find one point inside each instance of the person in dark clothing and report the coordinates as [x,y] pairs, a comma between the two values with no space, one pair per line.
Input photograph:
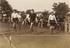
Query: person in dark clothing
[32,19]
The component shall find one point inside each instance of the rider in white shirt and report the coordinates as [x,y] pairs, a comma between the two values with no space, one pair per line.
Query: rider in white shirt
[19,16]
[52,17]
[14,16]
[28,18]
[52,21]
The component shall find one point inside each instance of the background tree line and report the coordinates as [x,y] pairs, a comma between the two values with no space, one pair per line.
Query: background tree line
[60,9]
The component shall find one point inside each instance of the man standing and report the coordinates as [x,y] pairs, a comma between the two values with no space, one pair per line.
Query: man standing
[14,18]
[52,20]
[32,19]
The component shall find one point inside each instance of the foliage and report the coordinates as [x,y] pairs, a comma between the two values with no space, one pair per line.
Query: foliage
[6,7]
[61,9]
[45,15]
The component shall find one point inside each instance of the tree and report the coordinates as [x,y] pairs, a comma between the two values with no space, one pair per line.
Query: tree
[6,7]
[61,9]
[29,11]
[45,14]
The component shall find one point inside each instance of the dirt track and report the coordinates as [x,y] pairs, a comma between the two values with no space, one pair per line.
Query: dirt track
[40,38]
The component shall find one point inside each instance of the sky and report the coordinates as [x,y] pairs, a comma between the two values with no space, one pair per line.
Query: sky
[37,5]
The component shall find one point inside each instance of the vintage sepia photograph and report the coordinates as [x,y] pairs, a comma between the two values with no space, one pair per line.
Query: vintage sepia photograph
[34,23]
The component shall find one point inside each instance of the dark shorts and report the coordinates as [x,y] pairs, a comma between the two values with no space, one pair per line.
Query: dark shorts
[32,20]
[52,22]
[15,20]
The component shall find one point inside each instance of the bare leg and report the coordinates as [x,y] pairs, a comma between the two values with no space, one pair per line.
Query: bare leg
[14,25]
[41,24]
[38,24]
[22,23]
[31,26]
[51,29]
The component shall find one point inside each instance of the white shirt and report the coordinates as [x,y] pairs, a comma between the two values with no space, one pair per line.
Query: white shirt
[18,16]
[4,15]
[52,17]
[27,16]
[14,15]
